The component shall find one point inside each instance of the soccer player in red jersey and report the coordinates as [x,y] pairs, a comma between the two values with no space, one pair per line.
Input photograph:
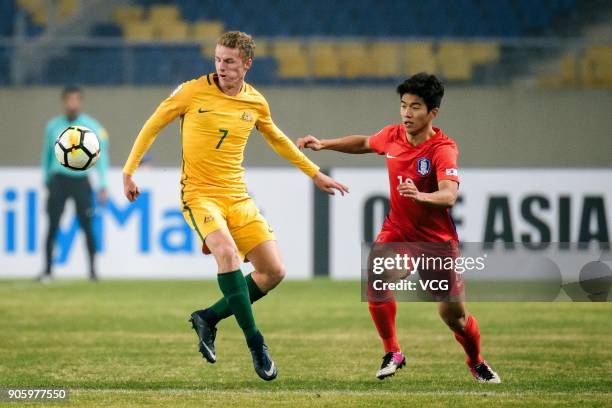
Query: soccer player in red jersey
[423,179]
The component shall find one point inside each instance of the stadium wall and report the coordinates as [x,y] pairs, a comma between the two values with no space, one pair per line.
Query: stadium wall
[493,126]
[150,239]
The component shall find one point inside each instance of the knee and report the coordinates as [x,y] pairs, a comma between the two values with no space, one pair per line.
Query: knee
[456,321]
[227,256]
[277,272]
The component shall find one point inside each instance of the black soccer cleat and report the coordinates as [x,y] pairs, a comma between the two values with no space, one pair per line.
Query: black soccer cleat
[264,366]
[483,373]
[206,335]
[391,363]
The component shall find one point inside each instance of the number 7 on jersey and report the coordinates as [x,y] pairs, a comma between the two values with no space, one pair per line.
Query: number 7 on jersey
[224,133]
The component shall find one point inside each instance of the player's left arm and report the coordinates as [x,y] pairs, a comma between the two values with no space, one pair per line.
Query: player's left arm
[285,148]
[445,197]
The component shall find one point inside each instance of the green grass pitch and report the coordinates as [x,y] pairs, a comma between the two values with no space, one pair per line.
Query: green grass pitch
[128,343]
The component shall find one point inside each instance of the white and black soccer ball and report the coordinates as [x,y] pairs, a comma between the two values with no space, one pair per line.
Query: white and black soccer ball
[77,148]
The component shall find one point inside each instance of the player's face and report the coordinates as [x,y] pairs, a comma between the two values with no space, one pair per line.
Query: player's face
[230,67]
[415,116]
[72,104]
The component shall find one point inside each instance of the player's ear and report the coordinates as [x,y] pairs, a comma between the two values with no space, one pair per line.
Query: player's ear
[248,63]
[434,112]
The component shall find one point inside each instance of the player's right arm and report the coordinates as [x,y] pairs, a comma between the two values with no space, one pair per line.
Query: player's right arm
[175,105]
[354,144]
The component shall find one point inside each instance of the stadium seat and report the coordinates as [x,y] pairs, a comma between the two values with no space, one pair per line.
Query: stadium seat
[5,65]
[127,14]
[568,69]
[138,31]
[418,57]
[384,60]
[8,13]
[454,62]
[460,18]
[291,59]
[40,17]
[354,59]
[106,30]
[208,50]
[207,30]
[263,71]
[173,31]
[376,56]
[91,65]
[565,77]
[324,58]
[67,8]
[164,13]
[37,10]
[262,48]
[596,66]
[483,52]
[32,5]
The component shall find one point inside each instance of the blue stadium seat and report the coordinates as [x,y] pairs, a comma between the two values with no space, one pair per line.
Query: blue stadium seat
[5,65]
[171,63]
[437,18]
[263,71]
[168,64]
[7,13]
[86,65]
[106,30]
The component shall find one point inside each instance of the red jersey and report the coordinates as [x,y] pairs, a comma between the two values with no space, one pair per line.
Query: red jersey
[425,164]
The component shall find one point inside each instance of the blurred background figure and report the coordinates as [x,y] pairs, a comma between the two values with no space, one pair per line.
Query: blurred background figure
[63,184]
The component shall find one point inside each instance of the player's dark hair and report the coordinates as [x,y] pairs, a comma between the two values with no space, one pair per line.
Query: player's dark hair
[70,89]
[426,86]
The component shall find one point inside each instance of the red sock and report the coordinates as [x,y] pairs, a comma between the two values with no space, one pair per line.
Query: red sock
[383,315]
[470,340]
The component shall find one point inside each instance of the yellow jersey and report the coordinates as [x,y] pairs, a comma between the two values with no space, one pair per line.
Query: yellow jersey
[215,128]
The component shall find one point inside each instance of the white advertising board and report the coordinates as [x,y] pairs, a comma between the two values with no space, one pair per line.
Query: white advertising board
[149,238]
[556,205]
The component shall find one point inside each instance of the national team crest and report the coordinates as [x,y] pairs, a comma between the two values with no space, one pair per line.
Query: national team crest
[423,166]
[247,116]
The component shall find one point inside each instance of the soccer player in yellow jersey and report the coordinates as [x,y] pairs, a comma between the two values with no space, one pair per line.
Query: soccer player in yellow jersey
[217,114]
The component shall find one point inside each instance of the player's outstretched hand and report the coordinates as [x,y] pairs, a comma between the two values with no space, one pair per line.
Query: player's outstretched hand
[309,142]
[328,184]
[130,189]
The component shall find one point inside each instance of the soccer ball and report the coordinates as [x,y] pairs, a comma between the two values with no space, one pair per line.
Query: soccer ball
[77,148]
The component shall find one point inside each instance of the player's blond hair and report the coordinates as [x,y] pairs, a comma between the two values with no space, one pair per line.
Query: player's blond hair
[242,41]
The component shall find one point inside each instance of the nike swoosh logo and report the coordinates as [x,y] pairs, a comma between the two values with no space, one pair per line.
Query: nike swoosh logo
[390,157]
[270,371]
[203,111]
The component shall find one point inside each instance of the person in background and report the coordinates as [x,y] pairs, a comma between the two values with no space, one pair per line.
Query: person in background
[63,183]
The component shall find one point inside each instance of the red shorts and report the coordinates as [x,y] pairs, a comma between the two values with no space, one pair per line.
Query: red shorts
[436,269]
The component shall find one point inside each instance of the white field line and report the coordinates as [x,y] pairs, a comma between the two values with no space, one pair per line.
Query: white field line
[484,392]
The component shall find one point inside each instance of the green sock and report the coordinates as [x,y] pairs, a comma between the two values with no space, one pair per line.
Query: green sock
[236,293]
[221,310]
